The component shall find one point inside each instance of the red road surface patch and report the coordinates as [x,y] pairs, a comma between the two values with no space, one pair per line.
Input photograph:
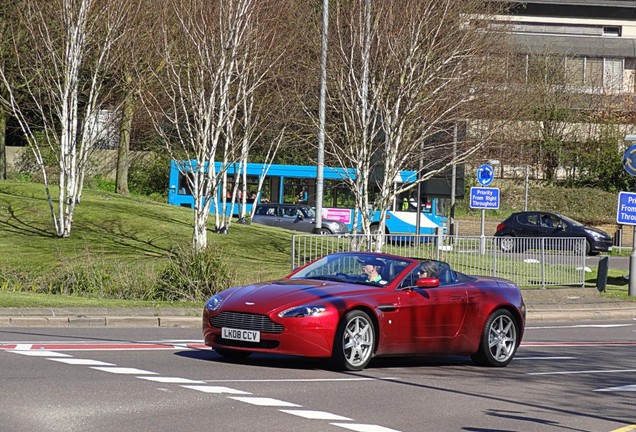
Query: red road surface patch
[102,346]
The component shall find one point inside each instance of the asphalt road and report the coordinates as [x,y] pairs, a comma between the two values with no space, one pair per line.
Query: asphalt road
[574,377]
[615,262]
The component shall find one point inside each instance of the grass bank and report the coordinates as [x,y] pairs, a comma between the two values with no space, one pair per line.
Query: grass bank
[120,247]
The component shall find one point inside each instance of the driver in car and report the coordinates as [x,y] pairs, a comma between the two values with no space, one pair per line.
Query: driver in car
[370,267]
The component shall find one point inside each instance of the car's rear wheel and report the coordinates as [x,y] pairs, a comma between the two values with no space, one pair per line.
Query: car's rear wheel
[232,354]
[499,340]
[507,243]
[354,344]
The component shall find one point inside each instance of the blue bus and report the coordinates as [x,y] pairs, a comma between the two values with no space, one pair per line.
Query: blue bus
[297,183]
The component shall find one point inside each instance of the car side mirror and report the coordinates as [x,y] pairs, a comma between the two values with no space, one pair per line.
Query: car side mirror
[427,282]
[300,216]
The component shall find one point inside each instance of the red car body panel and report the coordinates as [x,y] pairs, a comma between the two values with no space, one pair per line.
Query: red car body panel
[439,320]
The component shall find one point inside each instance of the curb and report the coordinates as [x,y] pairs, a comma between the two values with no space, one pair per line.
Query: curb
[100,321]
[131,321]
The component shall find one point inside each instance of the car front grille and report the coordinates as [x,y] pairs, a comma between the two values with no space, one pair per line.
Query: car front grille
[245,321]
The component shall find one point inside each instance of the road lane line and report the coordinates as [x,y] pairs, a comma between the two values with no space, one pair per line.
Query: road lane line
[575,344]
[315,415]
[82,362]
[599,371]
[578,326]
[305,380]
[629,388]
[264,401]
[170,380]
[364,427]
[124,370]
[215,389]
[40,353]
[517,358]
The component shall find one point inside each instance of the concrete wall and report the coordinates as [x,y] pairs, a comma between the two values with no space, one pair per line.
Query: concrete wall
[103,162]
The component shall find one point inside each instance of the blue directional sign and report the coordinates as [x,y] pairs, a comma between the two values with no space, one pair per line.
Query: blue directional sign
[626,211]
[629,160]
[485,174]
[484,198]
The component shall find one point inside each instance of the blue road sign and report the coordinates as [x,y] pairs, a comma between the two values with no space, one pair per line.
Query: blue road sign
[484,198]
[485,174]
[629,160]
[626,211]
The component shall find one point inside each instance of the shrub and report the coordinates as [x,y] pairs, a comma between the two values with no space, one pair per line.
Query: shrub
[150,175]
[191,276]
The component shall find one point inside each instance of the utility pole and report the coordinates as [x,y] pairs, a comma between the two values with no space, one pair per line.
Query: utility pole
[321,128]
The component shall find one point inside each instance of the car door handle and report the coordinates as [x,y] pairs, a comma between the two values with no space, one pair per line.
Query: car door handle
[457,298]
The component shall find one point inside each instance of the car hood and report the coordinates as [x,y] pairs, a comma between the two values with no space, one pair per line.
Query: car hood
[266,297]
[596,230]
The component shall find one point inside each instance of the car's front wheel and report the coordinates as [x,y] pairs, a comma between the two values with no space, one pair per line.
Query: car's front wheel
[499,340]
[582,247]
[354,344]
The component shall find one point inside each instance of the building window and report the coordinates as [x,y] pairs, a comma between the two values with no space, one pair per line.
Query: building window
[612,31]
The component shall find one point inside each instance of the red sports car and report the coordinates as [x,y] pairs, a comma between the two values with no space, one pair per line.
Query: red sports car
[352,306]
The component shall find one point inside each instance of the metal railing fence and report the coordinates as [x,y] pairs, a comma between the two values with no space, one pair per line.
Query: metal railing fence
[525,261]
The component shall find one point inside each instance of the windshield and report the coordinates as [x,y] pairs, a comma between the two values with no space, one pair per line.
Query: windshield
[571,221]
[308,212]
[363,268]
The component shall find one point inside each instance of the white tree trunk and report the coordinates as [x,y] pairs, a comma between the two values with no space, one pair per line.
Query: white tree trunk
[66,56]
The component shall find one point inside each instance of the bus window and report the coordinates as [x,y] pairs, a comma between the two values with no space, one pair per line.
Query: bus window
[299,190]
[185,183]
[337,194]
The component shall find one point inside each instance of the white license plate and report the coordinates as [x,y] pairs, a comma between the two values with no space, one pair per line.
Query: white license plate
[241,335]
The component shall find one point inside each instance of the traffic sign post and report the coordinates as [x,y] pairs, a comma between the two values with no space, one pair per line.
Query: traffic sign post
[626,211]
[484,198]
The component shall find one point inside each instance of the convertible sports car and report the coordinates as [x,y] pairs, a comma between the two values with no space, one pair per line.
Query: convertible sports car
[352,306]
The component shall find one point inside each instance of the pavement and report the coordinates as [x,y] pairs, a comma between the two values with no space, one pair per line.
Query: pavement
[553,304]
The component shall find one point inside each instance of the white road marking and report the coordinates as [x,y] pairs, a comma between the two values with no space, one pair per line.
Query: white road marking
[364,427]
[303,380]
[214,389]
[124,371]
[315,415]
[40,353]
[629,388]
[171,380]
[264,401]
[23,346]
[599,371]
[83,362]
[544,358]
[578,326]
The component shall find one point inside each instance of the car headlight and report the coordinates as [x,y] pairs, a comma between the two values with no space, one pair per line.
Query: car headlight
[595,234]
[302,311]
[214,303]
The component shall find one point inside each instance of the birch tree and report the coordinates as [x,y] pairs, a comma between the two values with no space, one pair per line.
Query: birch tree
[202,47]
[402,73]
[62,66]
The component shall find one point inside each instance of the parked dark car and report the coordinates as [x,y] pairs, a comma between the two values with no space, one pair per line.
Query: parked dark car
[550,225]
[297,217]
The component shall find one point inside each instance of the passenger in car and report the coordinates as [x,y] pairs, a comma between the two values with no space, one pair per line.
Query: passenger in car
[428,269]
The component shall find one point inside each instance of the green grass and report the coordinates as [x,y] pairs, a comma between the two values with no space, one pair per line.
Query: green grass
[119,245]
[114,240]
